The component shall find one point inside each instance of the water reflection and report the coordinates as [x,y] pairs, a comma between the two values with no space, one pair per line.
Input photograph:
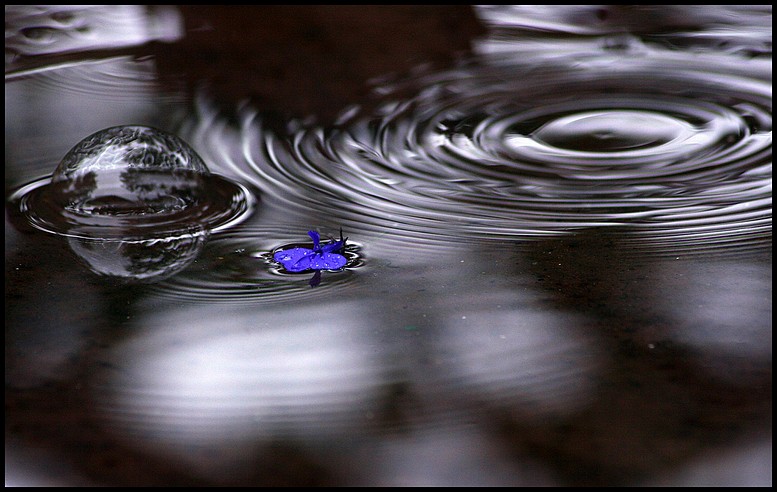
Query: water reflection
[661,378]
[432,457]
[139,260]
[577,350]
[538,364]
[252,381]
[313,379]
[35,30]
[741,30]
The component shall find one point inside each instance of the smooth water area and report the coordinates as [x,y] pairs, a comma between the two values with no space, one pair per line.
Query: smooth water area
[557,272]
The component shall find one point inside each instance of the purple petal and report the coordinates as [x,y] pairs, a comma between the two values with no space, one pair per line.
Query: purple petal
[333,247]
[315,237]
[315,279]
[295,259]
[327,261]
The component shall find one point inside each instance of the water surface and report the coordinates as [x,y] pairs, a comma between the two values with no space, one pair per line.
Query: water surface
[559,260]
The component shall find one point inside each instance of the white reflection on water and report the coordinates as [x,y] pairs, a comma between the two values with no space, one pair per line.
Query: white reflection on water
[447,456]
[33,30]
[745,465]
[723,310]
[228,379]
[549,29]
[537,361]
[210,377]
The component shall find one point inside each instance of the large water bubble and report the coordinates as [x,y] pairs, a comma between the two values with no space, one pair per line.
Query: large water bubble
[134,202]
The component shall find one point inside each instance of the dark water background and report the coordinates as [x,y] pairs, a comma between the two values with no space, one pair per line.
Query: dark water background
[559,264]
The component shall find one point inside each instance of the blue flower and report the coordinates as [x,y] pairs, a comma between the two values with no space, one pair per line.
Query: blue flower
[321,257]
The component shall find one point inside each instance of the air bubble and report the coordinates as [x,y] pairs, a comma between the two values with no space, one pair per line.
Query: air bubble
[134,202]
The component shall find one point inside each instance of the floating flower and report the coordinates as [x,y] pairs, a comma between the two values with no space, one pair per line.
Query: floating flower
[321,257]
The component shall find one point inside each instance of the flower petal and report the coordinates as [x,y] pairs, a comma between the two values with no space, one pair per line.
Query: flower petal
[316,237]
[295,259]
[327,261]
[334,247]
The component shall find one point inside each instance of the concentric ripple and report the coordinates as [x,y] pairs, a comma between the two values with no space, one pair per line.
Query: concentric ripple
[676,148]
[201,201]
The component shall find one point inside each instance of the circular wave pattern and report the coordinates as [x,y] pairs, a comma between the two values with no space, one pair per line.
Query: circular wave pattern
[218,204]
[677,150]
[119,79]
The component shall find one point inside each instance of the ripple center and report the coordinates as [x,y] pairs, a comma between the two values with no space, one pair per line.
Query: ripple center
[611,131]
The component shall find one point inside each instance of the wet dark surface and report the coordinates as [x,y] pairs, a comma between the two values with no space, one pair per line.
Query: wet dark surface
[558,267]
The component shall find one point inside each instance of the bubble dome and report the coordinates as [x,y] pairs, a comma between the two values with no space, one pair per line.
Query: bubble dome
[128,147]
